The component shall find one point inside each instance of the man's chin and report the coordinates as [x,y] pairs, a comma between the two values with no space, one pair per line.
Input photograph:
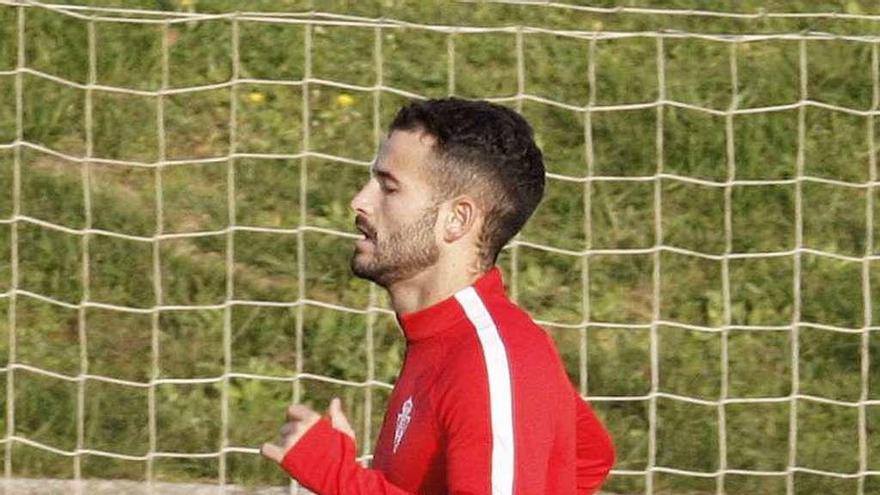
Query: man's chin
[360,267]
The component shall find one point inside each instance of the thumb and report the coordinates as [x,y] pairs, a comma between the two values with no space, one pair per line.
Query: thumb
[273,452]
[338,419]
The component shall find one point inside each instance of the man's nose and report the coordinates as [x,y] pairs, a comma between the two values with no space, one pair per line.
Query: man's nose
[359,201]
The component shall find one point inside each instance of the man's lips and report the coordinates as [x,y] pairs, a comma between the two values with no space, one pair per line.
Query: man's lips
[365,229]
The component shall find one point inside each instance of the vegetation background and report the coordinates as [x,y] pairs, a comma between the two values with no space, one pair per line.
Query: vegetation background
[609,357]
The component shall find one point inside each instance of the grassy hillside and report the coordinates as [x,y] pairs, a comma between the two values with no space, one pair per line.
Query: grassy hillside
[599,307]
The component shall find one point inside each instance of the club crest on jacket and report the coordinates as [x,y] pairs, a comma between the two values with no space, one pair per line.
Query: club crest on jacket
[403,419]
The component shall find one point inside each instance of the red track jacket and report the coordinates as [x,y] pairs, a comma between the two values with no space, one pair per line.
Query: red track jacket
[482,406]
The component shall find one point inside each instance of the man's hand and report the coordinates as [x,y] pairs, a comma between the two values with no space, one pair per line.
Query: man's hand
[300,419]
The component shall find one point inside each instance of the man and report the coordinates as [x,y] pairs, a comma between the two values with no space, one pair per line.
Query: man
[482,404]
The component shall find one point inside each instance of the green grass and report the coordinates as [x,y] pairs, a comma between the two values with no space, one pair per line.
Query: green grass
[606,215]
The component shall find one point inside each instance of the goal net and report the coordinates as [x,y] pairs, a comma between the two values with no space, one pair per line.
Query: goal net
[175,230]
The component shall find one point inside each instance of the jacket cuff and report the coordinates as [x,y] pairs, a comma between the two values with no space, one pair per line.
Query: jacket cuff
[316,455]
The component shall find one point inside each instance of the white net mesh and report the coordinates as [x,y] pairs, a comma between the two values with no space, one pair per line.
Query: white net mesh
[658,275]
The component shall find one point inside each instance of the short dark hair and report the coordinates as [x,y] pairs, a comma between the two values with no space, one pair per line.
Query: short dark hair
[487,147]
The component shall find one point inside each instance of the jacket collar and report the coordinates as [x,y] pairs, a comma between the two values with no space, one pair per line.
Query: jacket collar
[430,321]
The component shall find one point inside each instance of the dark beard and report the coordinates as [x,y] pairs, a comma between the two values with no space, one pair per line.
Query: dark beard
[403,253]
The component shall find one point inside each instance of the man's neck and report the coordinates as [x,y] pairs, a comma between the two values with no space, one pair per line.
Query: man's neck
[430,287]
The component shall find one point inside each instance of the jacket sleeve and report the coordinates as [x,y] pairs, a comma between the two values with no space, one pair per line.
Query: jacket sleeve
[499,435]
[469,445]
[323,461]
[595,452]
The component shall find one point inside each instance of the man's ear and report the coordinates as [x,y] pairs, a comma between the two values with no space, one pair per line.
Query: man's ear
[460,218]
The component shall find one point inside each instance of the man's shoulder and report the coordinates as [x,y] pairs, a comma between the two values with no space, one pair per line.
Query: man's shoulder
[509,344]
[518,329]
[511,330]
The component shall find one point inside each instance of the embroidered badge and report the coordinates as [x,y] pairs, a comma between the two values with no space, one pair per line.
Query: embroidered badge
[403,419]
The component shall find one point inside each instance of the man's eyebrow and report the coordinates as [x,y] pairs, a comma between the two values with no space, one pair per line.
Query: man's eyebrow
[384,174]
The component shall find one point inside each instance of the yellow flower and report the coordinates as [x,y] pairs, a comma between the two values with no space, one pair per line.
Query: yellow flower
[345,100]
[256,97]
[187,3]
[598,26]
[853,7]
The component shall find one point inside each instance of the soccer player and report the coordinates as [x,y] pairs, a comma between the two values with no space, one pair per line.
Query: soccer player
[482,404]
